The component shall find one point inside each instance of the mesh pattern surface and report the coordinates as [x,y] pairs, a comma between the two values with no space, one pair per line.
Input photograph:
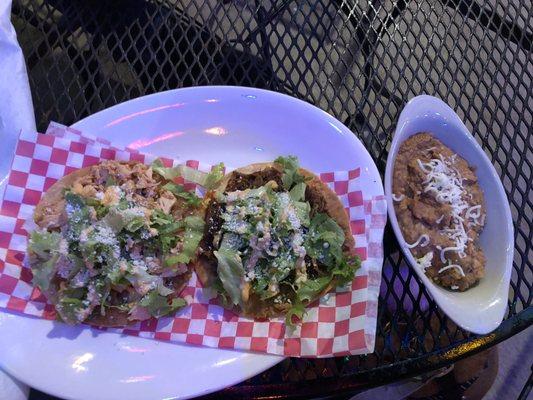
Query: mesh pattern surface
[358,60]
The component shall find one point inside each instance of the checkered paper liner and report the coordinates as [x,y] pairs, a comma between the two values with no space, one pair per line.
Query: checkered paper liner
[341,323]
[67,132]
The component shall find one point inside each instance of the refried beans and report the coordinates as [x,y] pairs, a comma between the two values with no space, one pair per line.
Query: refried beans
[440,210]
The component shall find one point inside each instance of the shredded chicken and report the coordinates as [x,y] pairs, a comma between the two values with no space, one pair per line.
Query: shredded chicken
[166,201]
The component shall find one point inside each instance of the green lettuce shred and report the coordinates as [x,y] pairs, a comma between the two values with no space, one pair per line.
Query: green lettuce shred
[324,240]
[194,228]
[44,243]
[312,287]
[230,272]
[44,272]
[291,176]
[179,191]
[206,180]
[297,193]
[214,177]
[167,173]
[297,310]
[158,305]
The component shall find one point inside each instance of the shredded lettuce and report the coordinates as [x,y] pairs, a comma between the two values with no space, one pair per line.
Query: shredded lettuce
[214,177]
[163,290]
[74,200]
[166,227]
[230,273]
[303,211]
[231,241]
[167,173]
[191,174]
[219,288]
[118,219]
[100,246]
[312,287]
[207,180]
[78,215]
[69,308]
[139,278]
[158,217]
[297,310]
[179,191]
[291,176]
[324,240]
[194,222]
[344,271]
[102,288]
[44,272]
[115,275]
[44,243]
[71,304]
[297,193]
[135,223]
[158,305]
[170,228]
[194,228]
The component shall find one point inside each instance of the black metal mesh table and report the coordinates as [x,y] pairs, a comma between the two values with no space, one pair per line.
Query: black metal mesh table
[358,60]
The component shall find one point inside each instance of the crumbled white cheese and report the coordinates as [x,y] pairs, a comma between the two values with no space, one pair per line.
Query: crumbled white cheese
[249,276]
[63,247]
[134,212]
[105,235]
[297,244]
[71,209]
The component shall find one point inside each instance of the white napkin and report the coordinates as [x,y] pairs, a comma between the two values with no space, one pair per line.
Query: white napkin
[16,113]
[16,108]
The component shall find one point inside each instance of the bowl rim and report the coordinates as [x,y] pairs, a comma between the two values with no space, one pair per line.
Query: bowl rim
[437,292]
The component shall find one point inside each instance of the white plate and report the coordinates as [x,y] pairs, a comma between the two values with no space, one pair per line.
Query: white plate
[230,124]
[481,308]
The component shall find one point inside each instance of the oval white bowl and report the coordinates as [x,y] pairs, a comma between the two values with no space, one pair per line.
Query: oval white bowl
[481,308]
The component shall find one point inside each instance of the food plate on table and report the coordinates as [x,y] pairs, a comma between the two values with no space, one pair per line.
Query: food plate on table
[238,126]
[450,213]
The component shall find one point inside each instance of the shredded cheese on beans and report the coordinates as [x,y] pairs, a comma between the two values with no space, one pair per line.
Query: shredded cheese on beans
[446,183]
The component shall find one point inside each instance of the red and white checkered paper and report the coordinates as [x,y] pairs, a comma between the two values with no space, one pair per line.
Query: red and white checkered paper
[341,323]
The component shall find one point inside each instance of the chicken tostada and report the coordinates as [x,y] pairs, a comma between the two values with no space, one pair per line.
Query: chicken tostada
[113,243]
